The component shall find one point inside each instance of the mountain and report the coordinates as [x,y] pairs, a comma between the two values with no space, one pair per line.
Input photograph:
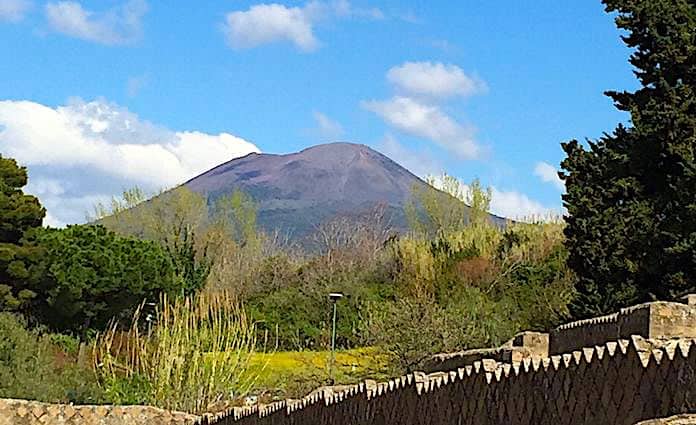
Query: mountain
[296,192]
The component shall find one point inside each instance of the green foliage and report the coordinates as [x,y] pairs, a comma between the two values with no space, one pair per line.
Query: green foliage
[197,353]
[190,269]
[18,214]
[204,241]
[90,275]
[130,198]
[479,200]
[292,300]
[631,196]
[451,207]
[31,367]
[236,214]
[469,289]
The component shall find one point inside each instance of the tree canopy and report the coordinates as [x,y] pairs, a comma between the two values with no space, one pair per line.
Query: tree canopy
[18,213]
[88,275]
[631,195]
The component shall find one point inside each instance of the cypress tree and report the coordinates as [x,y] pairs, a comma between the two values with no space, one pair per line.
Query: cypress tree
[631,195]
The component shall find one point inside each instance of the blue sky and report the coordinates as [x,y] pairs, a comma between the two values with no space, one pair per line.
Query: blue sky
[98,96]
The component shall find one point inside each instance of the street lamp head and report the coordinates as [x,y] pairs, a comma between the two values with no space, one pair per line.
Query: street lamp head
[335,296]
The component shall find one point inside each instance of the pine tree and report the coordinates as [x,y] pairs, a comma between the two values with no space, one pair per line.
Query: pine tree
[18,214]
[631,196]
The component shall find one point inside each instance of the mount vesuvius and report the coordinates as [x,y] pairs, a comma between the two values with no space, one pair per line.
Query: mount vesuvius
[298,191]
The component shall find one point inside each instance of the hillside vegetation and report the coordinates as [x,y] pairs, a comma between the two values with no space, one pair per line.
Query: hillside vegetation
[183,302]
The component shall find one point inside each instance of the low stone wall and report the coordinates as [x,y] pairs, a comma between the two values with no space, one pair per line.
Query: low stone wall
[618,383]
[525,345]
[674,420]
[23,412]
[653,320]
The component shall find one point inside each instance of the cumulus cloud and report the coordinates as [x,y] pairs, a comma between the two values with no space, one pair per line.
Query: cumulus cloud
[434,79]
[119,25]
[13,10]
[416,109]
[83,152]
[326,128]
[518,206]
[548,174]
[428,121]
[270,23]
[512,204]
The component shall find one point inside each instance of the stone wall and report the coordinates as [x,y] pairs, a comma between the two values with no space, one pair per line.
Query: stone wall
[525,345]
[23,412]
[653,320]
[618,383]
[673,420]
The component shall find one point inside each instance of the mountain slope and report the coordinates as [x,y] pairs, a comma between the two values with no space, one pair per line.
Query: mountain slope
[298,191]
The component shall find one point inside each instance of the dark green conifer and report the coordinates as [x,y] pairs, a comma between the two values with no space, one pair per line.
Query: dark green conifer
[631,195]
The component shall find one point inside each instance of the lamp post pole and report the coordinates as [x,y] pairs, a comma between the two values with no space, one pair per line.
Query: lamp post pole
[334,297]
[333,331]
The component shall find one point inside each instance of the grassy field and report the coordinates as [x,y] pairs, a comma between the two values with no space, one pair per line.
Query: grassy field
[296,373]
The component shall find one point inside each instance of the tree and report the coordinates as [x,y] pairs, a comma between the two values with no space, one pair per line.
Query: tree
[18,214]
[174,219]
[631,195]
[451,207]
[89,275]
[479,200]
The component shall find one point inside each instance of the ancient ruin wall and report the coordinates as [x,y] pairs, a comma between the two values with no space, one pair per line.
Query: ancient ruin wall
[23,412]
[651,320]
[618,383]
[525,345]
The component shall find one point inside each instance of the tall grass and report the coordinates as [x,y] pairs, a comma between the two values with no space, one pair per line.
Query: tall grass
[196,353]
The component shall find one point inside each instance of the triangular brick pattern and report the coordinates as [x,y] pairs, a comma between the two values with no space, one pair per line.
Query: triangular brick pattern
[619,383]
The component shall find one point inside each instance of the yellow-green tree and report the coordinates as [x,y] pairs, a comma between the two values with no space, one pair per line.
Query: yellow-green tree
[446,205]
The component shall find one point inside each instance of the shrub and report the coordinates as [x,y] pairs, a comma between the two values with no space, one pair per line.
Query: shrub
[32,368]
[89,274]
[195,355]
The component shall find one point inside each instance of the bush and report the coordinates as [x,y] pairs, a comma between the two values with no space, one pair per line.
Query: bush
[196,354]
[88,275]
[33,368]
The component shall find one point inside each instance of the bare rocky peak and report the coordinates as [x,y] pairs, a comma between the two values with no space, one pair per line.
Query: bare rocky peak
[295,192]
[342,172]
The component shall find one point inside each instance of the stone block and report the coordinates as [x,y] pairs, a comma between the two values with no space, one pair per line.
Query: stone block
[672,320]
[689,299]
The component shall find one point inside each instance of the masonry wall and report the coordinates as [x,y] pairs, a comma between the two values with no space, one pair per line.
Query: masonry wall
[23,412]
[617,383]
[525,345]
[651,320]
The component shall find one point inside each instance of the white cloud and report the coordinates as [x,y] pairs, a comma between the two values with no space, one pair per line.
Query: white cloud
[326,128]
[548,174]
[119,25]
[90,150]
[434,79]
[13,10]
[428,121]
[509,204]
[45,187]
[518,206]
[270,23]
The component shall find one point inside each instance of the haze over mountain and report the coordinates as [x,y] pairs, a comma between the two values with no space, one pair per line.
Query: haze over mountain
[298,191]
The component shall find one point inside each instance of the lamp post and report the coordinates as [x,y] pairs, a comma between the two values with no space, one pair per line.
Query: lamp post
[334,297]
